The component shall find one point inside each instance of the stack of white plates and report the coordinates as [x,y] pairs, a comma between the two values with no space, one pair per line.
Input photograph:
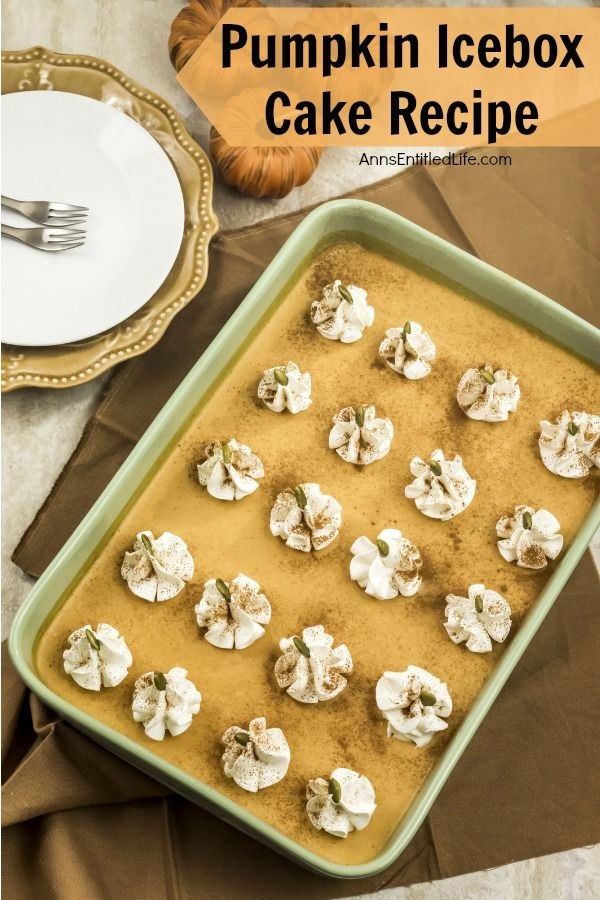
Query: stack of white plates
[69,148]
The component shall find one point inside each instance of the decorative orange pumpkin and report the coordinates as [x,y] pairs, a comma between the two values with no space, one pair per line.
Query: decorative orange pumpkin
[194,23]
[253,171]
[263,171]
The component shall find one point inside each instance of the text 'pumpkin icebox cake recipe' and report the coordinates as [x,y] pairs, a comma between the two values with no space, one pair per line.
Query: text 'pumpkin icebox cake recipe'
[307,597]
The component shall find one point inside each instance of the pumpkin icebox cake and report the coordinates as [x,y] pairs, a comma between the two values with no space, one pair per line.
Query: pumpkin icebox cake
[303,603]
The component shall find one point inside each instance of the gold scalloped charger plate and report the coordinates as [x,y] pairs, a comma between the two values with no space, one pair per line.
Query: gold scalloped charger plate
[64,366]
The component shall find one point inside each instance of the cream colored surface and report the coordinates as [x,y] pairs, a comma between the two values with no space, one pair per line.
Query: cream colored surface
[41,428]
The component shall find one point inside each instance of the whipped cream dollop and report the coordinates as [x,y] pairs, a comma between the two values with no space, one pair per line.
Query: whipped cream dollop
[340,804]
[233,612]
[285,387]
[488,395]
[478,619]
[442,487]
[415,704]
[157,568]
[530,537]
[255,757]
[388,567]
[311,668]
[359,437]
[165,702]
[230,470]
[570,446]
[408,351]
[97,658]
[305,518]
[342,313]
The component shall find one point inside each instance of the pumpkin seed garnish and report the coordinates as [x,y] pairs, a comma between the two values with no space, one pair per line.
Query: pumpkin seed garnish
[359,415]
[280,376]
[301,647]
[160,681]
[92,639]
[223,589]
[335,789]
[242,737]
[383,546]
[226,451]
[435,467]
[427,698]
[487,376]
[527,520]
[300,497]
[146,542]
[572,428]
[406,330]
[345,293]
[479,603]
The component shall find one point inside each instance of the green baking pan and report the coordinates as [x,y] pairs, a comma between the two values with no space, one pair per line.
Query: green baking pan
[371,225]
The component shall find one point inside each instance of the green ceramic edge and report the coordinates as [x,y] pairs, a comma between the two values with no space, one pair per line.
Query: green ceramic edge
[337,217]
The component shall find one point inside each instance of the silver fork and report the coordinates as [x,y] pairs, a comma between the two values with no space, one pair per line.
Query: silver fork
[46,238]
[46,212]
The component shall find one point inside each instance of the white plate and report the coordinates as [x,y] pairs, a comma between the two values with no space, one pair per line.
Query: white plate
[65,147]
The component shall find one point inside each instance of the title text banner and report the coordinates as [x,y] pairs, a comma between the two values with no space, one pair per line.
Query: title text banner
[365,77]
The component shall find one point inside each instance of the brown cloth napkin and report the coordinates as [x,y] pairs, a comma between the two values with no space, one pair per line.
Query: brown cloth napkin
[538,220]
[80,822]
